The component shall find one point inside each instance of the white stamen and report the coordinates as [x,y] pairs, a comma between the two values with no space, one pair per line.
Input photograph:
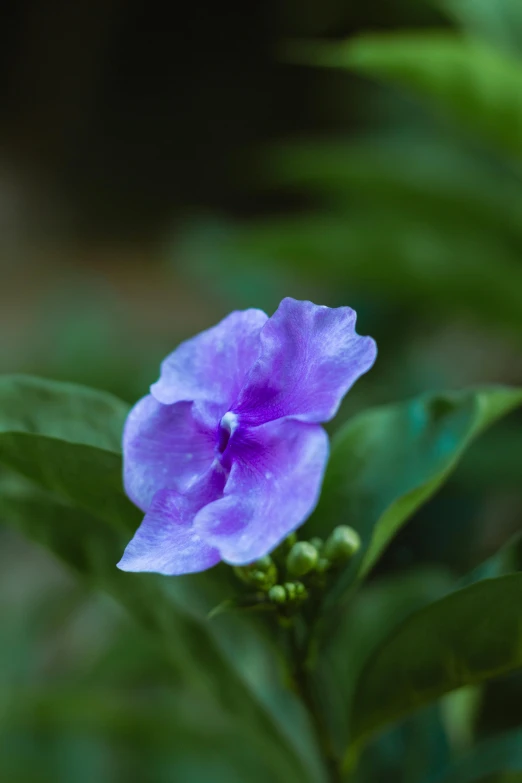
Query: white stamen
[229,422]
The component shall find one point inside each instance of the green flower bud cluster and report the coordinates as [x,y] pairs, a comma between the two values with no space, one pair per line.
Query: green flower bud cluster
[306,557]
[304,563]
[261,575]
[289,592]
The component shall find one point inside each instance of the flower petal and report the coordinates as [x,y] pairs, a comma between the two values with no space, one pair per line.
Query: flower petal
[212,366]
[273,487]
[310,357]
[164,447]
[166,541]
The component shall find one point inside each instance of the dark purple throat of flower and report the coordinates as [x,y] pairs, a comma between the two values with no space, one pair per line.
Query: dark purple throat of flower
[227,427]
[226,455]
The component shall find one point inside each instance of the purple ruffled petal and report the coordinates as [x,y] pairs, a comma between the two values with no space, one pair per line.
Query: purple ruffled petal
[164,447]
[226,455]
[311,355]
[274,485]
[166,541]
[212,366]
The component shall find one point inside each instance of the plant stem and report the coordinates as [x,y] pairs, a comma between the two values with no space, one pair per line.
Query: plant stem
[303,687]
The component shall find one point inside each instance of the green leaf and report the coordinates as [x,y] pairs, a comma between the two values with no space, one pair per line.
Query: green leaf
[201,743]
[499,23]
[242,605]
[417,261]
[463,639]
[387,462]
[67,439]
[495,756]
[442,183]
[475,83]
[359,628]
[407,752]
[92,548]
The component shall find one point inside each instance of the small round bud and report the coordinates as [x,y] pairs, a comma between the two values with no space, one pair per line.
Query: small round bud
[323,564]
[277,594]
[270,577]
[301,559]
[290,590]
[264,563]
[342,544]
[295,591]
[262,574]
[318,543]
[300,590]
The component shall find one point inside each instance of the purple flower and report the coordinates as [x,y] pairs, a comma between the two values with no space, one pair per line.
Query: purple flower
[226,455]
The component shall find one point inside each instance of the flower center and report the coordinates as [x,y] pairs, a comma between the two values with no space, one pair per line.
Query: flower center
[227,427]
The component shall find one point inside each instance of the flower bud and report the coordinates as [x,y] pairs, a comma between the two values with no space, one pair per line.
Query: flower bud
[300,590]
[290,590]
[323,564]
[295,591]
[318,543]
[262,574]
[342,544]
[277,594]
[301,559]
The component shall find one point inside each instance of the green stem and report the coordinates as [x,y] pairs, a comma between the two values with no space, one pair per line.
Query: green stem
[301,677]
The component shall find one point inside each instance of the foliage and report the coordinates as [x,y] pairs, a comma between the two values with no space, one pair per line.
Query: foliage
[60,435]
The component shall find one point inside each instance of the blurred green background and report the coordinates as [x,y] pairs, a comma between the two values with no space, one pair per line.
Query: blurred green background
[160,168]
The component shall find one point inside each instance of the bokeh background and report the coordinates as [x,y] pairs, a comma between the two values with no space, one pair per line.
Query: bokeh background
[162,165]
